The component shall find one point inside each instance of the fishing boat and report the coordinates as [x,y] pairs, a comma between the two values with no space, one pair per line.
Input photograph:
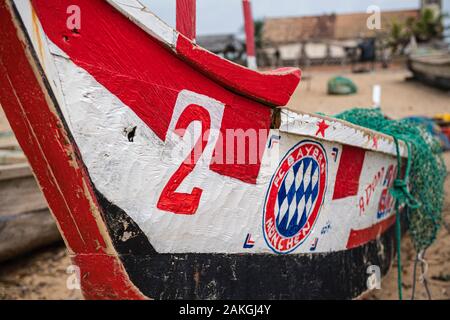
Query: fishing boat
[431,66]
[175,174]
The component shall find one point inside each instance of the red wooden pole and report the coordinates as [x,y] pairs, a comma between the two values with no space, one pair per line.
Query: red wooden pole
[186,18]
[250,34]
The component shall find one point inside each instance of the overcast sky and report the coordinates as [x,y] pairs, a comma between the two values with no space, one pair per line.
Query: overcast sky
[225,16]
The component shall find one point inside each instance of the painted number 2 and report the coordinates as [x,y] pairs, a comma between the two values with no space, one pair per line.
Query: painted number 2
[186,203]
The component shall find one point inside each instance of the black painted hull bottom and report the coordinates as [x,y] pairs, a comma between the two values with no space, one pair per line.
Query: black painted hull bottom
[337,275]
[213,276]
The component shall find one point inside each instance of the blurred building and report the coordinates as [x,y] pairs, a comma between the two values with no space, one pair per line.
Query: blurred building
[224,45]
[322,39]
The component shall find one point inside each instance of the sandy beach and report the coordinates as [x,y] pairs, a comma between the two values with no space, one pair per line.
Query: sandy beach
[43,274]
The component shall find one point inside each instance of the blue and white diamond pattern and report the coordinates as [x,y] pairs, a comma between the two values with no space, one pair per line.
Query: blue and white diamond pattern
[297,196]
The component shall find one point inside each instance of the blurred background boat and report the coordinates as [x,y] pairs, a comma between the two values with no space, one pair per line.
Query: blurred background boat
[25,220]
[431,66]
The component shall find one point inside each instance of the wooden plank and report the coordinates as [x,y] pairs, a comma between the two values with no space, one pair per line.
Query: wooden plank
[25,221]
[22,233]
[13,171]
[8,143]
[20,192]
[186,18]
[11,157]
[250,34]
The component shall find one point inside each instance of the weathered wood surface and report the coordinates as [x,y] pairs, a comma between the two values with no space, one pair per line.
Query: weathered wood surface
[25,221]
[7,141]
[25,232]
[187,17]
[19,191]
[249,34]
[10,157]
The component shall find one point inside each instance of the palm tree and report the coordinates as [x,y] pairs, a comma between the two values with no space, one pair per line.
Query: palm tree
[399,36]
[259,25]
[429,26]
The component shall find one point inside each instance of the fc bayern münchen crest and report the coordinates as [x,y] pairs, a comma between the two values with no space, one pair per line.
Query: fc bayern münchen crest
[295,196]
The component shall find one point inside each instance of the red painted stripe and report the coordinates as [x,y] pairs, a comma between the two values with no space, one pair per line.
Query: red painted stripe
[249,28]
[103,278]
[273,87]
[360,237]
[57,167]
[186,18]
[349,172]
[144,75]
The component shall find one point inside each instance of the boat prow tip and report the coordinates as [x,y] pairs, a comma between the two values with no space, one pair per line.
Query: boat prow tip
[273,88]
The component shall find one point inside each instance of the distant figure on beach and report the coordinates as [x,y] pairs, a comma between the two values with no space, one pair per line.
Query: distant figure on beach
[277,57]
[367,55]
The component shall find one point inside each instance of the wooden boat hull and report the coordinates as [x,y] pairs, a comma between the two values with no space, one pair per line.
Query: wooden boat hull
[112,138]
[24,225]
[210,276]
[432,68]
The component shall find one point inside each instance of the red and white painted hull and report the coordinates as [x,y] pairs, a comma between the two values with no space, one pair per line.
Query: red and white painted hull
[108,115]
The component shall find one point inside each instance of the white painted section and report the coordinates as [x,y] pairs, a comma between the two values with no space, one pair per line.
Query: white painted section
[145,19]
[251,63]
[338,131]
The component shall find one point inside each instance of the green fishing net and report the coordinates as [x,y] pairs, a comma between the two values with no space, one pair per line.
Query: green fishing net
[425,182]
[341,86]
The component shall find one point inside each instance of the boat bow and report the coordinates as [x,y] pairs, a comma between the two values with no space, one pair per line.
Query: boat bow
[131,130]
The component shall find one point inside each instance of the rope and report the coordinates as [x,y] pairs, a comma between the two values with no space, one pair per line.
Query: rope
[426,171]
[398,235]
[414,277]
[400,189]
[424,177]
[402,196]
[423,277]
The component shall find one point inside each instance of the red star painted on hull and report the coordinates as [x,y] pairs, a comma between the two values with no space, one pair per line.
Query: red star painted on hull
[322,127]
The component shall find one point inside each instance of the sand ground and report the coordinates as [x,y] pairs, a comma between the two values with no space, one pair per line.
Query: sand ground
[43,274]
